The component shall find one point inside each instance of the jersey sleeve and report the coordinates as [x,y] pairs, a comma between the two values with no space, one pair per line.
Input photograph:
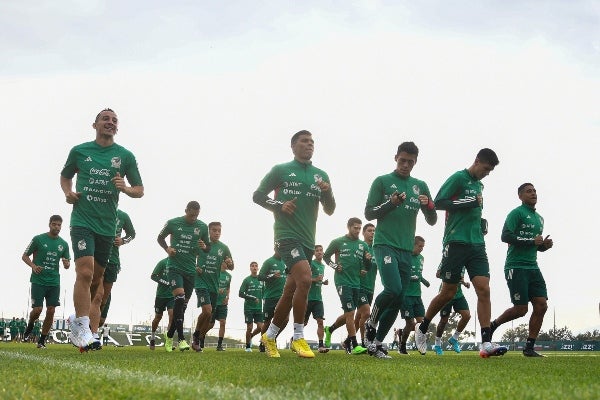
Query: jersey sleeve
[448,199]
[377,205]
[267,185]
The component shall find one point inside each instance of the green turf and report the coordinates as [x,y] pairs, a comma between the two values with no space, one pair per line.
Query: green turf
[60,372]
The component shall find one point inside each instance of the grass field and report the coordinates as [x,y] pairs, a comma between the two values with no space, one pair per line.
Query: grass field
[60,372]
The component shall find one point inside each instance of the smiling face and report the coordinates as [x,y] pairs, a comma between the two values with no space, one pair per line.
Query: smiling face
[106,125]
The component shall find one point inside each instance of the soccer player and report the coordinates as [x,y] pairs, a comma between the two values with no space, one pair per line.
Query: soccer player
[101,167]
[13,328]
[272,273]
[298,188]
[113,267]
[188,237]
[522,231]
[220,313]
[315,297]
[412,307]
[367,285]
[395,200]
[49,250]
[105,334]
[2,329]
[460,305]
[464,246]
[251,290]
[163,300]
[351,256]
[206,282]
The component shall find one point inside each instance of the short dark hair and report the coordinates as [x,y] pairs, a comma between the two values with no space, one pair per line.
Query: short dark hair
[488,156]
[214,223]
[419,239]
[193,205]
[367,226]
[55,217]
[523,186]
[106,109]
[318,245]
[298,134]
[353,221]
[408,147]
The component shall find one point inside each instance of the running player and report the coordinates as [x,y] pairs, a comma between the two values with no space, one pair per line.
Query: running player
[251,290]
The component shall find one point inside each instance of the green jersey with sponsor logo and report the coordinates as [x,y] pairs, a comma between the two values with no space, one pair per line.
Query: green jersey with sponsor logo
[184,239]
[273,286]
[416,274]
[295,180]
[521,227]
[316,268]
[224,286]
[95,166]
[351,255]
[252,290]
[458,196]
[210,264]
[123,225]
[396,225]
[160,276]
[47,253]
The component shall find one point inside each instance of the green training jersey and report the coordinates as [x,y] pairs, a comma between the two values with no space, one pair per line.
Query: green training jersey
[95,167]
[351,255]
[396,225]
[273,286]
[47,253]
[367,281]
[210,264]
[295,180]
[184,239]
[160,276]
[416,274]
[224,287]
[123,225]
[458,196]
[521,227]
[317,268]
[252,290]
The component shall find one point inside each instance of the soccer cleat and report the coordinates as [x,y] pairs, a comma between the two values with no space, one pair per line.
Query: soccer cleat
[43,346]
[302,348]
[378,351]
[220,348]
[270,346]
[327,337]
[420,340]
[370,333]
[152,344]
[347,346]
[183,345]
[489,349]
[359,350]
[248,350]
[80,335]
[531,353]
[455,344]
[402,350]
[196,347]
[96,345]
[323,349]
[261,347]
[438,350]
[168,343]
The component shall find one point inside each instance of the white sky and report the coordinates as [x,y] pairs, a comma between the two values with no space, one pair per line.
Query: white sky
[209,94]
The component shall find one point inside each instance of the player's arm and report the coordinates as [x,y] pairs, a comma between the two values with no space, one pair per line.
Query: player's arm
[377,205]
[428,206]
[242,292]
[27,260]
[327,199]
[263,273]
[136,188]
[261,196]
[447,197]
[129,231]
[510,229]
[330,251]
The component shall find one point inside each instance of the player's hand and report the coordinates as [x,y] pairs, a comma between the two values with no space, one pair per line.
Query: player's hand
[326,282]
[256,301]
[324,186]
[467,284]
[36,269]
[119,182]
[72,197]
[423,199]
[66,263]
[548,243]
[398,198]
[289,207]
[277,274]
[201,244]
[480,200]
[339,268]
[538,240]
[171,251]
[118,241]
[363,272]
[199,270]
[368,256]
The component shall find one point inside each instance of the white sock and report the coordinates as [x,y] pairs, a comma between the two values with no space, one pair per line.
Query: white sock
[298,331]
[456,335]
[272,331]
[438,341]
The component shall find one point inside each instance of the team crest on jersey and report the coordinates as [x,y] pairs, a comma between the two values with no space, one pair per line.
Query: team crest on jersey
[317,177]
[220,252]
[348,305]
[60,247]
[416,190]
[387,260]
[196,231]
[517,296]
[360,247]
[295,253]
[82,245]
[115,162]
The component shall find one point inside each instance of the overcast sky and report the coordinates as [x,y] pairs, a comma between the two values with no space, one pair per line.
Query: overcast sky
[209,93]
